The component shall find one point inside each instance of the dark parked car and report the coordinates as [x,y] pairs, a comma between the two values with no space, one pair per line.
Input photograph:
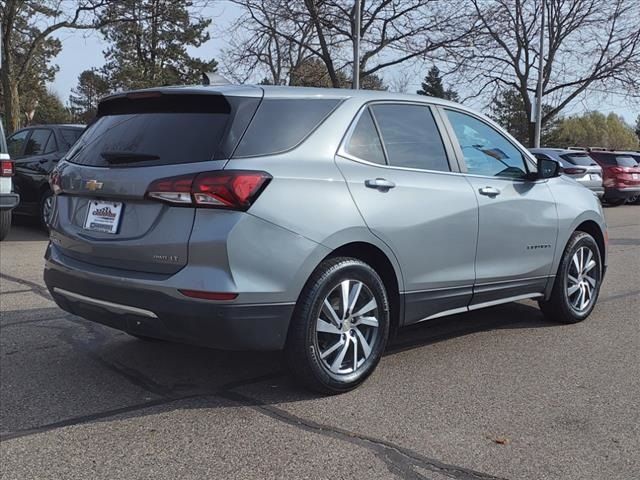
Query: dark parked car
[621,175]
[35,151]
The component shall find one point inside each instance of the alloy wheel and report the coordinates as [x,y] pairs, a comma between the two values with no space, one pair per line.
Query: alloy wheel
[47,208]
[582,279]
[347,327]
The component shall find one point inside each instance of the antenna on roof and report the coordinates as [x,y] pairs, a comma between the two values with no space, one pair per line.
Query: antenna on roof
[210,78]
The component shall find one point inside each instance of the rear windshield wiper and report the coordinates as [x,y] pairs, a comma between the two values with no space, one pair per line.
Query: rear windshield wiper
[127,157]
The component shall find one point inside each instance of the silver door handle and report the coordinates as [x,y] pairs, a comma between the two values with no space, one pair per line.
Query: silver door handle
[379,183]
[489,191]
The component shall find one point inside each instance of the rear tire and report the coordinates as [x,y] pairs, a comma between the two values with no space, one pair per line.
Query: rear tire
[615,202]
[339,327]
[46,209]
[577,283]
[5,223]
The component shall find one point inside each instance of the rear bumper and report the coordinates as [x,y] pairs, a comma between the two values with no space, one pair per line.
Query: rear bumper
[154,313]
[9,201]
[615,193]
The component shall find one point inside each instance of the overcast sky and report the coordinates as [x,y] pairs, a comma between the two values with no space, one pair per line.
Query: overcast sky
[82,51]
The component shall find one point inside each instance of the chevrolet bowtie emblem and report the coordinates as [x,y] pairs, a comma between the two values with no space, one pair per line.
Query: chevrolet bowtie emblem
[93,185]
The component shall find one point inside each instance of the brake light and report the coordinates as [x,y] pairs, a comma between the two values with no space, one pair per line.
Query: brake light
[574,171]
[55,182]
[230,189]
[616,170]
[6,170]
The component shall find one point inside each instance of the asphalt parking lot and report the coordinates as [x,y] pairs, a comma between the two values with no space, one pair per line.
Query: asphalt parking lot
[495,394]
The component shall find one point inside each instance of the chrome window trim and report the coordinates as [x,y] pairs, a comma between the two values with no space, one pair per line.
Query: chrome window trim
[449,152]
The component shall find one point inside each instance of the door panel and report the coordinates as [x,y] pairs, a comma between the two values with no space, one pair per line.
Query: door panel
[428,218]
[518,221]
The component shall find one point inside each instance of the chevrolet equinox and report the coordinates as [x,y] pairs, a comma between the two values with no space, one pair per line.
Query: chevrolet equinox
[314,221]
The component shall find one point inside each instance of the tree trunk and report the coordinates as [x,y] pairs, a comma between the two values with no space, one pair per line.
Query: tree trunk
[11,100]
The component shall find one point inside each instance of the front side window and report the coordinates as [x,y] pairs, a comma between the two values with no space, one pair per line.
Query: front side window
[16,142]
[411,137]
[365,142]
[37,142]
[486,151]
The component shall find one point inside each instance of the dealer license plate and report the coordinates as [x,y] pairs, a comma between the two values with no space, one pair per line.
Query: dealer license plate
[103,216]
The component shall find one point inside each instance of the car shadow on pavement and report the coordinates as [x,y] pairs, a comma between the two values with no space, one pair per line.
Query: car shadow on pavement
[159,376]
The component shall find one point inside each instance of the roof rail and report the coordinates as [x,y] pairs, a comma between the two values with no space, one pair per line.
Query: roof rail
[597,149]
[579,149]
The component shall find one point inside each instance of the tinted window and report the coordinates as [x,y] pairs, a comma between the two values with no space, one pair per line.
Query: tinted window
[37,142]
[411,137]
[365,142]
[149,139]
[486,151]
[3,141]
[16,142]
[51,145]
[578,159]
[615,159]
[69,137]
[281,124]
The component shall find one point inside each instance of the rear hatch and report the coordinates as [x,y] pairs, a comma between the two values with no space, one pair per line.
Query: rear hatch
[621,170]
[103,215]
[582,167]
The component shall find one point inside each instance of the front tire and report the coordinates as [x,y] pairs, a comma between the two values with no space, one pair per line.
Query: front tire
[577,283]
[5,223]
[339,328]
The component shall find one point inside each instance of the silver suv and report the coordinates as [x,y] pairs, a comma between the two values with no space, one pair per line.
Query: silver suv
[316,221]
[8,199]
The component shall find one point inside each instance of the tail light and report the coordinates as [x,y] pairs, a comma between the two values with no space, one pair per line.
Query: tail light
[54,181]
[574,171]
[229,189]
[6,168]
[616,170]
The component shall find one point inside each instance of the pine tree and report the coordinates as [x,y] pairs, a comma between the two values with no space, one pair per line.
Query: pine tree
[432,86]
[148,45]
[92,86]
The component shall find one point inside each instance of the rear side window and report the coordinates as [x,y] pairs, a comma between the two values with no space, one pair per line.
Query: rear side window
[365,142]
[69,136]
[583,160]
[16,142]
[411,137]
[282,124]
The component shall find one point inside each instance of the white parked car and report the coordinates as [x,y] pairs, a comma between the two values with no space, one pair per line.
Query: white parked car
[8,199]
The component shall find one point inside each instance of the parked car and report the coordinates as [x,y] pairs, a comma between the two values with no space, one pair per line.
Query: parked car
[311,220]
[634,199]
[8,199]
[36,150]
[621,175]
[578,165]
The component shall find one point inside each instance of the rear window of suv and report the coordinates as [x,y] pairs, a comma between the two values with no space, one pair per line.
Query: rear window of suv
[620,160]
[282,124]
[153,129]
[581,159]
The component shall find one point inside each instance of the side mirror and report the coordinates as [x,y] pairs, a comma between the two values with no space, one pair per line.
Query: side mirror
[548,168]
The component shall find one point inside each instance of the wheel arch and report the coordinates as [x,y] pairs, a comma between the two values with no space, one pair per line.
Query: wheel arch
[593,229]
[383,265]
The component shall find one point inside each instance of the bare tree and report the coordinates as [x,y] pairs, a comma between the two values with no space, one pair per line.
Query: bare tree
[392,32]
[27,29]
[590,45]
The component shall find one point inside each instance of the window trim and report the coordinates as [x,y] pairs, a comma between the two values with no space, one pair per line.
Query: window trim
[446,141]
[460,156]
